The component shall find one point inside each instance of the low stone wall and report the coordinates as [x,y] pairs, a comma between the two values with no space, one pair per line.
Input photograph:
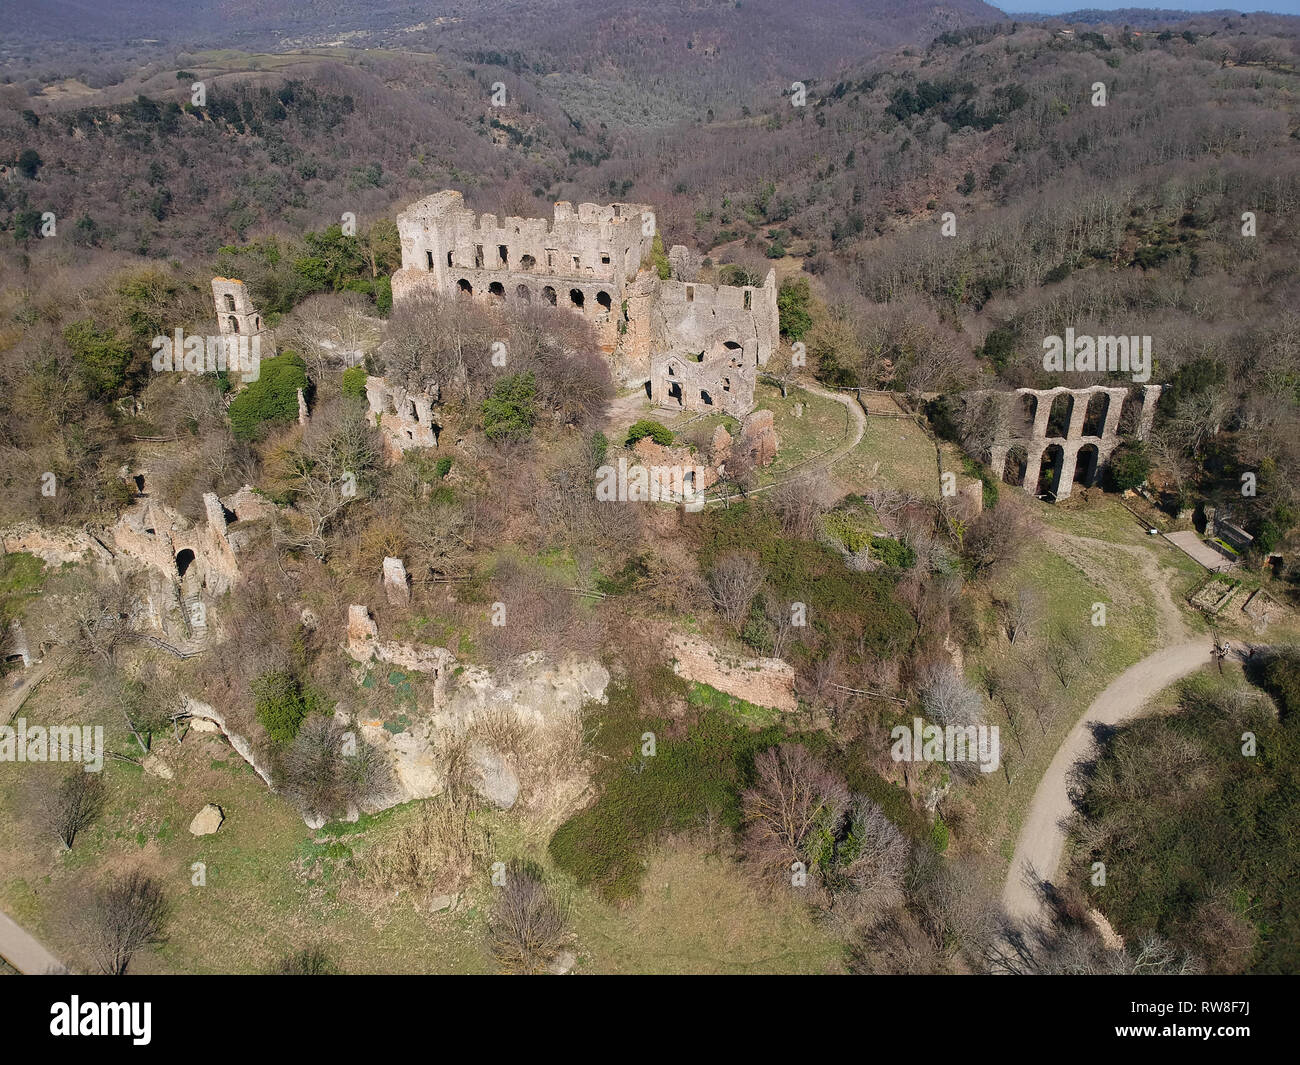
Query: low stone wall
[762,681]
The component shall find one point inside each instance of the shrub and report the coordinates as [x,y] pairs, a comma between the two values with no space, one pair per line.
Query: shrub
[511,410]
[273,397]
[793,302]
[660,434]
[354,382]
[1129,466]
[282,704]
[101,358]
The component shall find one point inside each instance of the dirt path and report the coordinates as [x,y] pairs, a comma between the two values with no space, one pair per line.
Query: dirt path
[23,952]
[1042,837]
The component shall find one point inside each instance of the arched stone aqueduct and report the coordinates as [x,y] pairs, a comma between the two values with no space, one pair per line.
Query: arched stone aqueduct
[1090,434]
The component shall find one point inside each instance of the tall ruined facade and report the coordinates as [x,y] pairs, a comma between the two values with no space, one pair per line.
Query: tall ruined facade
[693,346]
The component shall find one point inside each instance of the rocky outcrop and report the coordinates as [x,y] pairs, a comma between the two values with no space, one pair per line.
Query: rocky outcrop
[203,711]
[207,820]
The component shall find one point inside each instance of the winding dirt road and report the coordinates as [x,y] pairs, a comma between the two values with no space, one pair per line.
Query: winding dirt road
[1042,837]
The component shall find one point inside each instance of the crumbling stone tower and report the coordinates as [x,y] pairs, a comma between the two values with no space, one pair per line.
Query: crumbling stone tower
[236,315]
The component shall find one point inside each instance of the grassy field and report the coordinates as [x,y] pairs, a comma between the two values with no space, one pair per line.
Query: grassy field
[274,886]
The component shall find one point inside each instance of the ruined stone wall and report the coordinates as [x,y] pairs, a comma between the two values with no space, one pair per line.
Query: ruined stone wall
[405,419]
[583,260]
[710,343]
[1065,452]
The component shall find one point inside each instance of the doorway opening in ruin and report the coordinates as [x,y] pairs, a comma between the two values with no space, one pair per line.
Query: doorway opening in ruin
[139,483]
[232,323]
[464,288]
[1085,466]
[605,303]
[497,292]
[1094,418]
[478,256]
[1049,473]
[675,391]
[184,560]
[1013,470]
[577,298]
[1058,418]
[527,262]
[1028,413]
[648,390]
[523,295]
[548,294]
[705,398]
[503,254]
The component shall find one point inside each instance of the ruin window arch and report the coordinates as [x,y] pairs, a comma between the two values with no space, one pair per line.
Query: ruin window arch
[522,294]
[527,262]
[431,259]
[548,294]
[577,298]
[705,398]
[1013,469]
[464,288]
[184,559]
[1028,410]
[726,384]
[233,323]
[1085,466]
[1094,418]
[478,256]
[497,292]
[503,254]
[604,301]
[1049,472]
[1058,418]
[257,322]
[230,302]
[428,259]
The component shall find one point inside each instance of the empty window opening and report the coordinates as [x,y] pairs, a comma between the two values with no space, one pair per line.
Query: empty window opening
[503,253]
[233,323]
[749,299]
[448,259]
[690,293]
[726,384]
[604,258]
[411,412]
[464,288]
[577,298]
[183,562]
[577,264]
[230,302]
[497,292]
[606,304]
[527,262]
[478,256]
[706,398]
[428,258]
[550,257]
[548,294]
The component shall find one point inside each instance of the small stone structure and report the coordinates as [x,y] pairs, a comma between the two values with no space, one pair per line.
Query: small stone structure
[1079,455]
[405,419]
[761,681]
[395,586]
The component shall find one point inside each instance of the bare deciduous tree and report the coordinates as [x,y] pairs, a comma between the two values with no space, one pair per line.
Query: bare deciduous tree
[794,797]
[126,915]
[328,770]
[733,582]
[72,804]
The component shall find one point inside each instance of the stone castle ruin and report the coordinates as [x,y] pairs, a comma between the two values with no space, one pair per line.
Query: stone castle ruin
[692,346]
[1071,435]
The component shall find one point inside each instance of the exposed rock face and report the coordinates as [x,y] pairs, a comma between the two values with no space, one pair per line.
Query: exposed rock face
[207,820]
[495,780]
[762,681]
[395,586]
